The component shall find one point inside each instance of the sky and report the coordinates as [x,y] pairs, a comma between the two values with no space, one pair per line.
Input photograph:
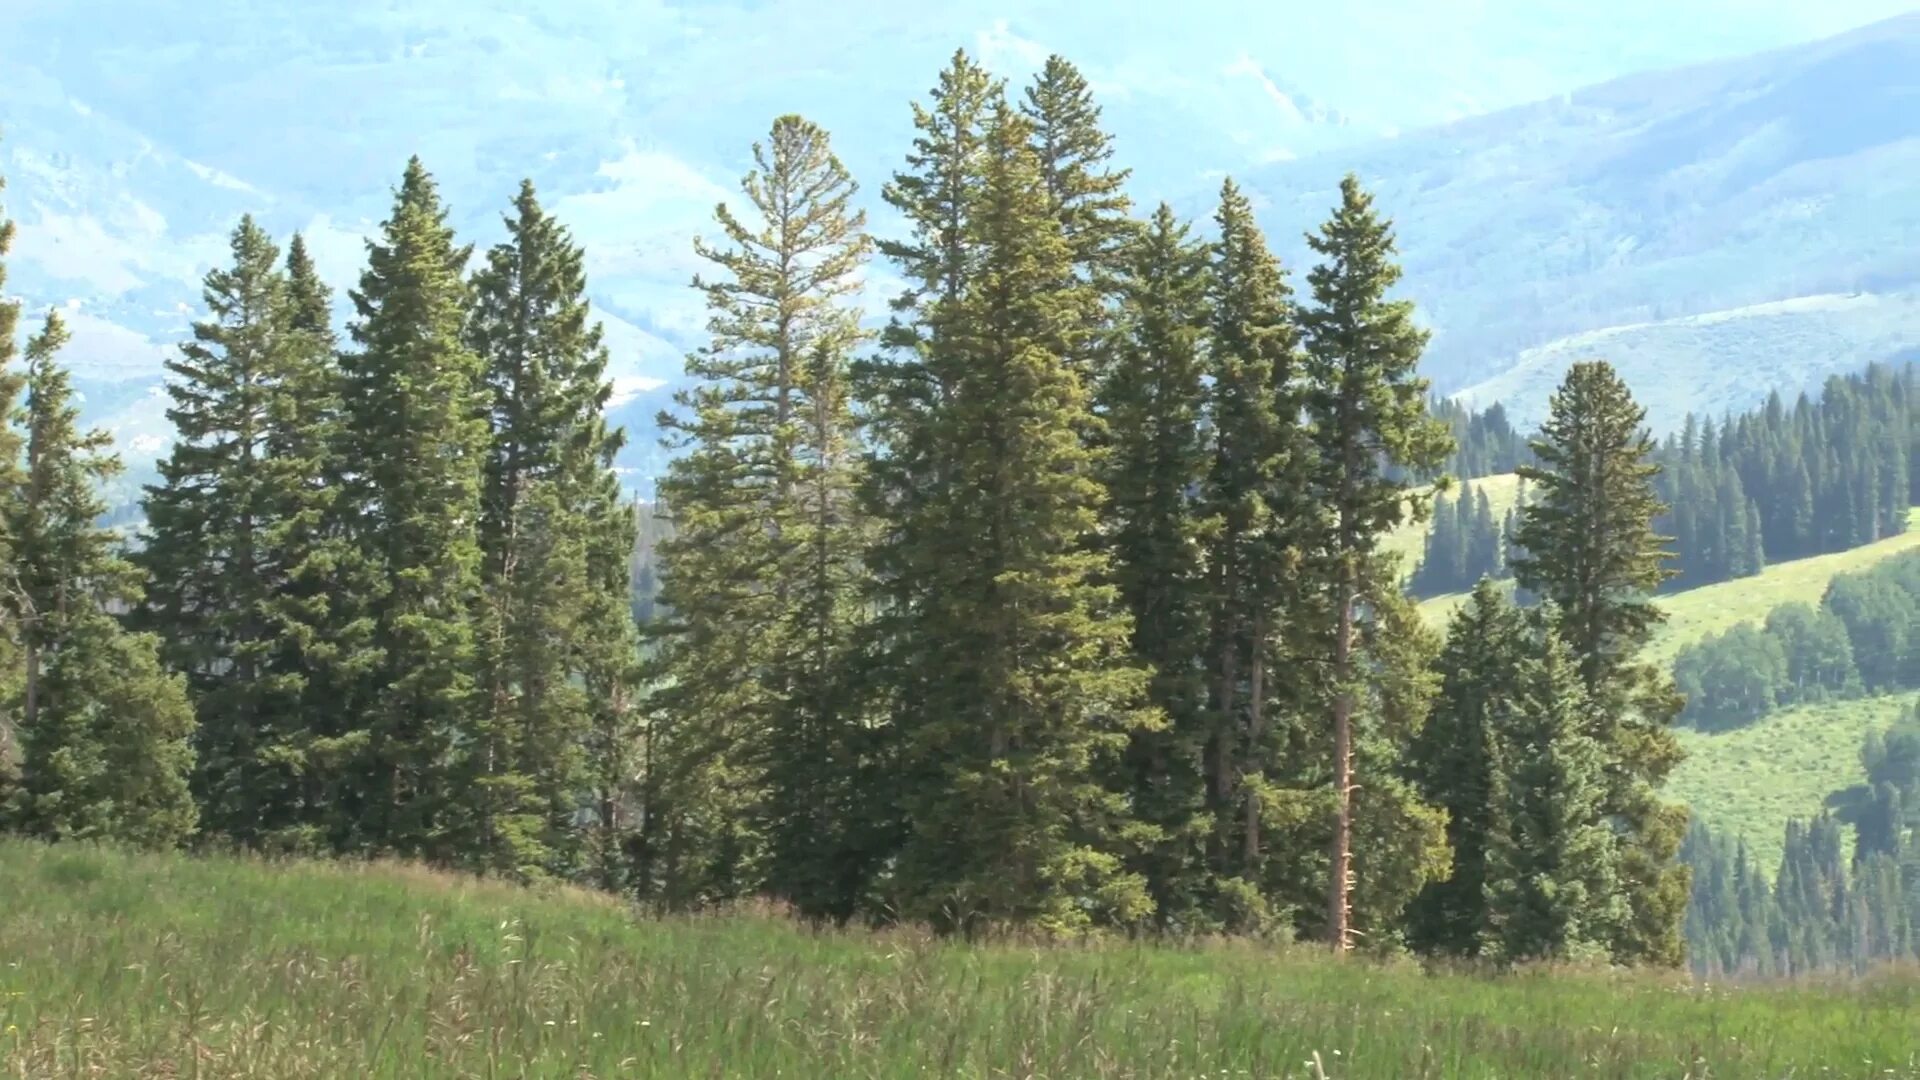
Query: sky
[136,132]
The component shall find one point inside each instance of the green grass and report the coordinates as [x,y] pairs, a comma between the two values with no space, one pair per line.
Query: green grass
[133,966]
[1749,781]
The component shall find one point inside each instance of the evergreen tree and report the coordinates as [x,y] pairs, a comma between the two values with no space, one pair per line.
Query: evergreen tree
[1154,400]
[1589,547]
[1368,410]
[1460,763]
[414,444]
[1029,697]
[544,499]
[1258,522]
[104,732]
[1553,892]
[11,384]
[769,503]
[213,566]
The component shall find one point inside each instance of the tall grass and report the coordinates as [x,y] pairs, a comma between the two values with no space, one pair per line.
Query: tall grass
[115,965]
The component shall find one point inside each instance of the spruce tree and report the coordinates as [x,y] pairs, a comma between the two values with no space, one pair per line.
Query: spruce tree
[1153,401]
[1257,523]
[1589,547]
[1371,428]
[317,615]
[1460,763]
[104,732]
[1552,890]
[11,384]
[543,500]
[209,557]
[762,573]
[1029,696]
[415,437]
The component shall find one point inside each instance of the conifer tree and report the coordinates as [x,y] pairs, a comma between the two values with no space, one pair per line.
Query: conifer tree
[210,558]
[1552,892]
[1460,762]
[770,492]
[1258,521]
[763,569]
[1029,697]
[414,444]
[11,384]
[1589,547]
[1154,401]
[104,732]
[1368,411]
[543,500]
[317,615]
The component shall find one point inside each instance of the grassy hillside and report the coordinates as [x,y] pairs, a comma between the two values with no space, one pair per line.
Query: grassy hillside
[117,965]
[1751,780]
[1711,609]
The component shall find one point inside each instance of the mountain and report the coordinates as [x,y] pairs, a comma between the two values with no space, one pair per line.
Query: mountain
[1716,230]
[134,136]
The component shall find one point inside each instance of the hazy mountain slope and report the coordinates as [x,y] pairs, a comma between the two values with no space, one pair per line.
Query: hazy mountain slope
[1793,173]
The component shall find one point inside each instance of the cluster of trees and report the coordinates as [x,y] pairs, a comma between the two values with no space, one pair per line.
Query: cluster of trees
[1485,443]
[386,579]
[1822,909]
[1466,543]
[1065,605]
[1864,637]
[94,733]
[1776,484]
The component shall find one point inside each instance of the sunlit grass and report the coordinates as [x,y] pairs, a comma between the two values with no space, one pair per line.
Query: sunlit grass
[124,966]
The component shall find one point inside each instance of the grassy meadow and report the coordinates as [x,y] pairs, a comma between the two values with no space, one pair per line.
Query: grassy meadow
[115,965]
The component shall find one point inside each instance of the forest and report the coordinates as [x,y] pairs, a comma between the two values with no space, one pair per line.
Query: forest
[1055,605]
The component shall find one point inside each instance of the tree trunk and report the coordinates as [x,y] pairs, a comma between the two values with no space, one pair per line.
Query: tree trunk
[1339,881]
[1256,731]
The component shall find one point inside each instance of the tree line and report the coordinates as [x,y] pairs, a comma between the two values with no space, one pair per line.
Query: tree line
[1777,484]
[381,602]
[1057,603]
[1821,909]
[1466,542]
[1862,638]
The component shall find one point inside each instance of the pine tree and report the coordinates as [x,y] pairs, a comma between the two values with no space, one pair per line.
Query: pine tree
[1030,697]
[763,569]
[1460,762]
[316,615]
[11,384]
[1589,547]
[414,446]
[1257,523]
[104,731]
[543,500]
[210,560]
[1552,891]
[1153,401]
[1368,410]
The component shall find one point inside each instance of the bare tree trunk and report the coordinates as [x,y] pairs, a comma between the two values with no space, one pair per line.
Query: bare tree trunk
[1256,731]
[1339,880]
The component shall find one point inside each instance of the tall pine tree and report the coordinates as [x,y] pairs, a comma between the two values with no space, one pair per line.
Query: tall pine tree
[544,500]
[1153,401]
[415,438]
[1589,547]
[1368,410]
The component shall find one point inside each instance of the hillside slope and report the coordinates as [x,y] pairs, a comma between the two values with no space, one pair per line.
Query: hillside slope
[1790,175]
[170,966]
